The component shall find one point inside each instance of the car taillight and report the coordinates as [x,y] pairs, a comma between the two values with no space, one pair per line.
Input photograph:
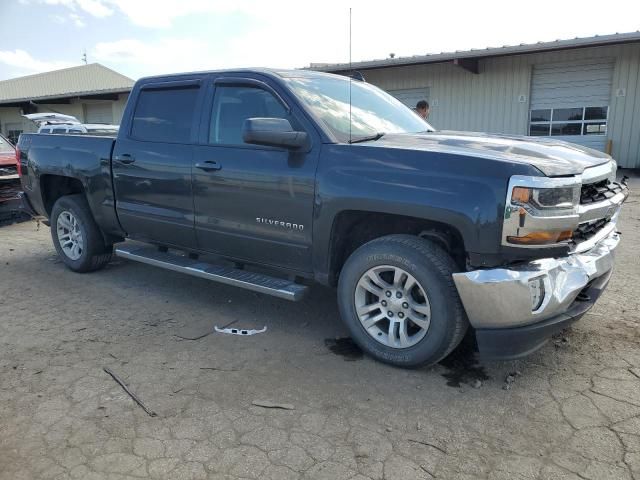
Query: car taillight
[18,166]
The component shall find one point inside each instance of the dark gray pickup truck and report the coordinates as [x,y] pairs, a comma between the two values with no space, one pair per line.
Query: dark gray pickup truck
[269,180]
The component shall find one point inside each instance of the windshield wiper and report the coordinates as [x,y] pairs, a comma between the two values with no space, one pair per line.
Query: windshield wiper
[370,138]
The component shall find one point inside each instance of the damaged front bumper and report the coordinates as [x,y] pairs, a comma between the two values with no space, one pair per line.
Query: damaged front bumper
[515,310]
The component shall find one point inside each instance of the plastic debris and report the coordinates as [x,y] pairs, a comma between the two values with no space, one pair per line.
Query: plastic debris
[239,331]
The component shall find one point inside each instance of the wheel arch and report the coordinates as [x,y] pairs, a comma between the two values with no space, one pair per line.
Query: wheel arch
[353,228]
[53,187]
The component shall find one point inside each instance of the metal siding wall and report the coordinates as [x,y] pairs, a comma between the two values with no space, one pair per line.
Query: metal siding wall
[626,132]
[461,100]
[489,101]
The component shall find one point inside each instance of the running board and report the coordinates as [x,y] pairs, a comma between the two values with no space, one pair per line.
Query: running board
[230,276]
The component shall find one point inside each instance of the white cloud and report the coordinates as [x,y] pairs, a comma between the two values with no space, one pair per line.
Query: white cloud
[74,18]
[77,20]
[95,8]
[23,62]
[145,58]
[162,13]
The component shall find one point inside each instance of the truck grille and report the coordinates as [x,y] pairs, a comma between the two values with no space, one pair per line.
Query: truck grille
[599,191]
[587,230]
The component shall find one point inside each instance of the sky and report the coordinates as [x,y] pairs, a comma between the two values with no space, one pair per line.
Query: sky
[148,37]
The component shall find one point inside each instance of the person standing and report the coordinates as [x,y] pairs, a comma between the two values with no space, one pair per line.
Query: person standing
[422,109]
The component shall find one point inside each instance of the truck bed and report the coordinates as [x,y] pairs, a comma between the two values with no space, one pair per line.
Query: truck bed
[82,157]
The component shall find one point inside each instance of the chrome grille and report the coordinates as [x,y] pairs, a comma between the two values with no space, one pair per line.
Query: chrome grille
[599,191]
[585,231]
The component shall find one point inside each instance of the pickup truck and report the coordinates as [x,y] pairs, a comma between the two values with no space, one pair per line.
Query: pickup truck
[7,160]
[271,180]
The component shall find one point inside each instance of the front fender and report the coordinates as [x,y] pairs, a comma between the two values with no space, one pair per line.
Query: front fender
[467,194]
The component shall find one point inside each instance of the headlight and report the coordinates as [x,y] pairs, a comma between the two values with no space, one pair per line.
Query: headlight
[541,211]
[562,198]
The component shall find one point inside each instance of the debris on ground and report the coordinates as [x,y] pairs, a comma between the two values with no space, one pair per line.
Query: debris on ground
[510,378]
[220,369]
[239,331]
[427,444]
[268,404]
[476,383]
[133,396]
[561,342]
[206,334]
[194,338]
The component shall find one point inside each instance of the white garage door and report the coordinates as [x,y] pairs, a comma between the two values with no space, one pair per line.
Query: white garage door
[411,96]
[570,101]
[99,113]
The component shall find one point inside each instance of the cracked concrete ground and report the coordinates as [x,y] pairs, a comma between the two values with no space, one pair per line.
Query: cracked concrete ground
[573,412]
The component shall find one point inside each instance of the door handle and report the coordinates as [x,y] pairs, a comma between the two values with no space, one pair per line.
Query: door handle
[125,159]
[208,166]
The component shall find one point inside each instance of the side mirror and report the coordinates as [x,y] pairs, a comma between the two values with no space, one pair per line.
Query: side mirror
[273,132]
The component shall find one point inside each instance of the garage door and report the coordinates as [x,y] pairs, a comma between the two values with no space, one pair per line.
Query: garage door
[99,113]
[570,101]
[411,96]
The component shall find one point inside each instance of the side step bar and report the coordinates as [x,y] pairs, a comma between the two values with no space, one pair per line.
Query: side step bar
[230,276]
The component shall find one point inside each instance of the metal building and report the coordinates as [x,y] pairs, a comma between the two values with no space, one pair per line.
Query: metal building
[91,93]
[585,90]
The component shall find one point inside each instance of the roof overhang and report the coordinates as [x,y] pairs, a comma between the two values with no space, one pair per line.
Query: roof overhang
[468,59]
[66,98]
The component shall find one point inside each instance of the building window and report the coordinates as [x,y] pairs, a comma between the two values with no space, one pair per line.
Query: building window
[568,121]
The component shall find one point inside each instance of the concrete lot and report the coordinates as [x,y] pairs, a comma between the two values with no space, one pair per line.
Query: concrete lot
[572,410]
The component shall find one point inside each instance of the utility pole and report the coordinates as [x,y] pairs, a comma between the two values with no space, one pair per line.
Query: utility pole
[84,57]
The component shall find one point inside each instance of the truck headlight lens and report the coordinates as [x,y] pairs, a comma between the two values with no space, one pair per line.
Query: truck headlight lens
[546,198]
[541,211]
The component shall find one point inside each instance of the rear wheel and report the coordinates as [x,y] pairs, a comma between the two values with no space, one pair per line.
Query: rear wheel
[76,236]
[398,299]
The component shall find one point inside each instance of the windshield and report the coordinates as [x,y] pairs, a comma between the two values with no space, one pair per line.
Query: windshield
[5,147]
[373,111]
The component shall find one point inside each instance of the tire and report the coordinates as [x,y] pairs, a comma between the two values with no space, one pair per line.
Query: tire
[433,301]
[92,254]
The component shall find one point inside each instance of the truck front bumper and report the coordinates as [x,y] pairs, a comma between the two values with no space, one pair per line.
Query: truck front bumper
[515,310]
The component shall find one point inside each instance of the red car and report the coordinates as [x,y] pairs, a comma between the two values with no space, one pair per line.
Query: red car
[8,169]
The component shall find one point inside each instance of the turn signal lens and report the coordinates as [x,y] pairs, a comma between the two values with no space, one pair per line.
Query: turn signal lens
[541,238]
[521,195]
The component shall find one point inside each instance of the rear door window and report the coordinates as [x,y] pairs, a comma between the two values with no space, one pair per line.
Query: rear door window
[165,114]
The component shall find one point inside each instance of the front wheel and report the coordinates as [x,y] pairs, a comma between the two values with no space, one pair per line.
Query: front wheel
[76,236]
[397,297]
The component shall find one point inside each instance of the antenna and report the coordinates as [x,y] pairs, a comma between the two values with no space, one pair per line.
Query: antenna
[84,57]
[350,75]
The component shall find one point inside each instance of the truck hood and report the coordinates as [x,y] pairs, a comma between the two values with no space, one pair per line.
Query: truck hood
[552,157]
